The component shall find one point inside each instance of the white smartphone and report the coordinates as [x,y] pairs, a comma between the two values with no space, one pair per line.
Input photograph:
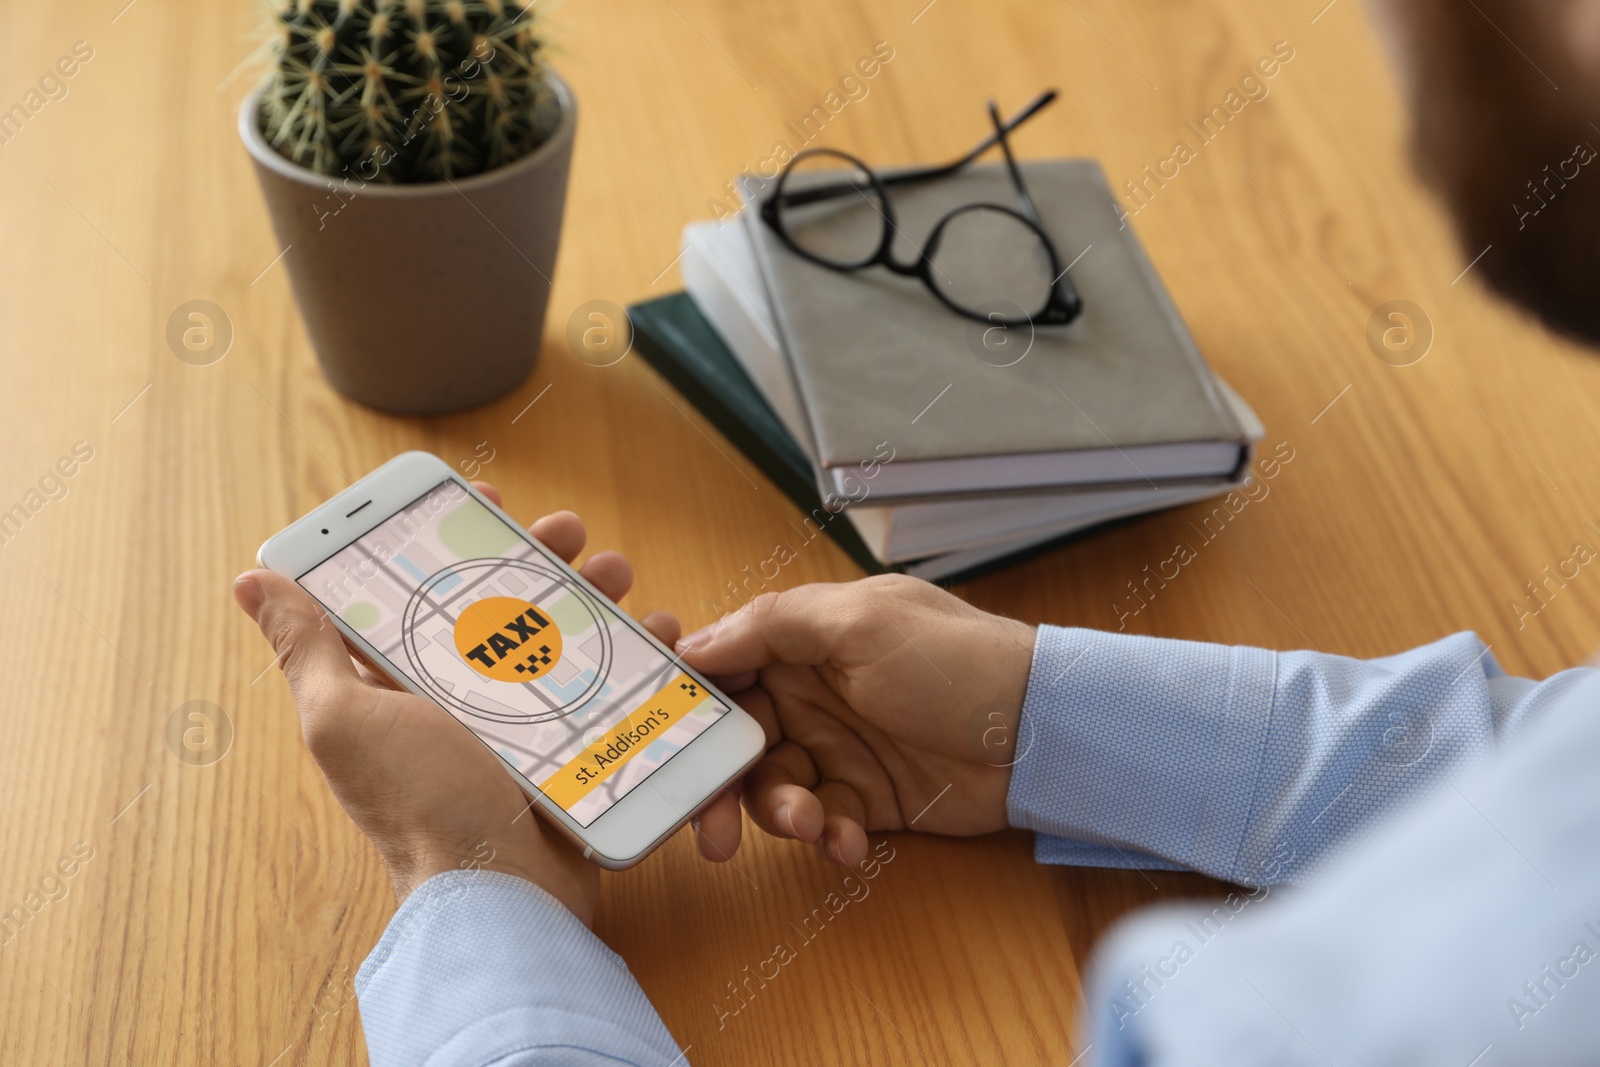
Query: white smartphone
[615,739]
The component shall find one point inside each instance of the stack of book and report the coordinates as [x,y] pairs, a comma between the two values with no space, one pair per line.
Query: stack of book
[897,429]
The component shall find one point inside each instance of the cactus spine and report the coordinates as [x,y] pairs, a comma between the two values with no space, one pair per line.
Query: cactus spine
[407,90]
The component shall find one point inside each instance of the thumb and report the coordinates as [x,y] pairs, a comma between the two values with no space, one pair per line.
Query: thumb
[799,626]
[310,650]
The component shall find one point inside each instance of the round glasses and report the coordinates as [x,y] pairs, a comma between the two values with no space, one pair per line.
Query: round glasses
[984,261]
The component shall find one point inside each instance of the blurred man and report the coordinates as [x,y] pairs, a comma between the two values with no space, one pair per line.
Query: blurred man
[1503,124]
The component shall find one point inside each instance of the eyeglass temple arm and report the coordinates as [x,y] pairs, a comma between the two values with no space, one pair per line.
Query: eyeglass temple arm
[1063,286]
[1028,207]
[907,177]
[1038,104]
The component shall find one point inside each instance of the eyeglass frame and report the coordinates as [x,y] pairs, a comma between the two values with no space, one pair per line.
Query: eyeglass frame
[1064,303]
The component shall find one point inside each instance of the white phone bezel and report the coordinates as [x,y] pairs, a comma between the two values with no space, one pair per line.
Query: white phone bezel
[643,818]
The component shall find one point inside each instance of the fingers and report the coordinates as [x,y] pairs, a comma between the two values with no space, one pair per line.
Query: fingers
[562,533]
[738,683]
[719,828]
[843,840]
[611,573]
[310,650]
[778,794]
[663,625]
[786,798]
[796,626]
[756,702]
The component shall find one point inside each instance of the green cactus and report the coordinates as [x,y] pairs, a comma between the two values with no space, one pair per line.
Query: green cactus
[407,90]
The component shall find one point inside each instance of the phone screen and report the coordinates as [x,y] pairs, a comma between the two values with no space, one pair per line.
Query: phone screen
[498,632]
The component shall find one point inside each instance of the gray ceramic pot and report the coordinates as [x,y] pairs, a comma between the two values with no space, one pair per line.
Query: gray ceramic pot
[427,298]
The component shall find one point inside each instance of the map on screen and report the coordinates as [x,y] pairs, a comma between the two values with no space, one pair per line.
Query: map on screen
[493,629]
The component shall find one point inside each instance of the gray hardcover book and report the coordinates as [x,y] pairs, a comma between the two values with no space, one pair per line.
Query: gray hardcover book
[1120,397]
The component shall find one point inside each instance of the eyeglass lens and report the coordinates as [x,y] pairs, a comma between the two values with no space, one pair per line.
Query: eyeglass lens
[846,229]
[988,258]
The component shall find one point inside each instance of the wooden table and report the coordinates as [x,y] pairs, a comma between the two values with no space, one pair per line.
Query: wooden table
[224,908]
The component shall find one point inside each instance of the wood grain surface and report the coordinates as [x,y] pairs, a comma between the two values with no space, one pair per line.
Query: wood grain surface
[223,909]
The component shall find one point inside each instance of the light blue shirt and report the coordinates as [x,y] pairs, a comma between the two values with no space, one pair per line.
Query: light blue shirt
[1417,838]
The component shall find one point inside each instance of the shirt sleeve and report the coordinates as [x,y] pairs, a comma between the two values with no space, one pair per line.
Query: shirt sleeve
[1245,764]
[1459,931]
[482,968]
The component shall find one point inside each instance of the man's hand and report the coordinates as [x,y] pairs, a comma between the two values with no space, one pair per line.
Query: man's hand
[888,704]
[427,793]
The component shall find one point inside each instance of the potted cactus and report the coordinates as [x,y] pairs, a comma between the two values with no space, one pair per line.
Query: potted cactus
[413,155]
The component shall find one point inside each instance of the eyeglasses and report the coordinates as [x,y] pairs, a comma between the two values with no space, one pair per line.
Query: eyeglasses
[985,261]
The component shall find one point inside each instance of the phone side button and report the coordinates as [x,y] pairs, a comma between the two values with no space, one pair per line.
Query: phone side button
[588,851]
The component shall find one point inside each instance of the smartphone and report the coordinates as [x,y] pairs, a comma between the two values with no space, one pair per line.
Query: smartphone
[616,740]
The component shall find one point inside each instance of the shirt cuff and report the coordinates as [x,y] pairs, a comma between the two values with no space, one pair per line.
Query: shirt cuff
[1140,751]
[477,966]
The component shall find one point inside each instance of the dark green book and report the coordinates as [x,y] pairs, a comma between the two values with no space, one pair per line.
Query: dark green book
[675,339]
